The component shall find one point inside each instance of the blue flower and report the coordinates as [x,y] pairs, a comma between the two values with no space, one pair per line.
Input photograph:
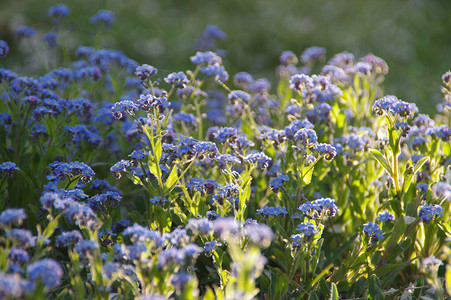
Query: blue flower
[288,58]
[297,240]
[178,80]
[102,202]
[139,233]
[234,96]
[181,279]
[212,215]
[424,187]
[59,11]
[206,148]
[51,39]
[211,246]
[13,286]
[104,16]
[80,133]
[423,120]
[185,118]
[227,159]
[200,226]
[259,234]
[145,71]
[215,70]
[327,150]
[21,237]
[178,237]
[109,269]
[259,158]
[428,212]
[385,217]
[48,270]
[443,132]
[320,113]
[297,215]
[342,60]
[378,65]
[373,230]
[208,38]
[138,155]
[277,182]
[79,213]
[306,136]
[206,58]
[12,217]
[301,82]
[242,79]
[8,168]
[119,167]
[120,226]
[224,227]
[24,31]
[443,189]
[294,126]
[68,238]
[192,251]
[392,105]
[326,205]
[272,211]
[308,229]
[335,74]
[4,48]
[310,55]
[124,107]
[157,200]
[226,134]
[18,255]
[85,247]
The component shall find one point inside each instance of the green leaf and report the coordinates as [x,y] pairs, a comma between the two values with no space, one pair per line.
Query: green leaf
[307,174]
[158,150]
[393,140]
[172,179]
[149,135]
[448,278]
[398,229]
[375,290]
[382,161]
[51,227]
[419,164]
[409,177]
[313,296]
[284,92]
[135,179]
[340,249]
[281,284]
[383,270]
[445,227]
[334,292]
[209,295]
[163,219]
[322,274]
[324,288]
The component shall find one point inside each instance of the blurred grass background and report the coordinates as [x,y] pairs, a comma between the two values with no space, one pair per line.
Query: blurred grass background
[413,36]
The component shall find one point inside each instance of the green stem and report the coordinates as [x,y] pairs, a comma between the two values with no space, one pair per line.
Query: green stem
[395,173]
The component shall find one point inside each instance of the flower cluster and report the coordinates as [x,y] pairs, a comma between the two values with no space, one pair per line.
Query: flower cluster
[204,158]
[272,211]
[428,212]
[372,229]
[8,168]
[394,106]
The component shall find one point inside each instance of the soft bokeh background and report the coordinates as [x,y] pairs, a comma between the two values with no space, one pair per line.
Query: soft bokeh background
[413,36]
